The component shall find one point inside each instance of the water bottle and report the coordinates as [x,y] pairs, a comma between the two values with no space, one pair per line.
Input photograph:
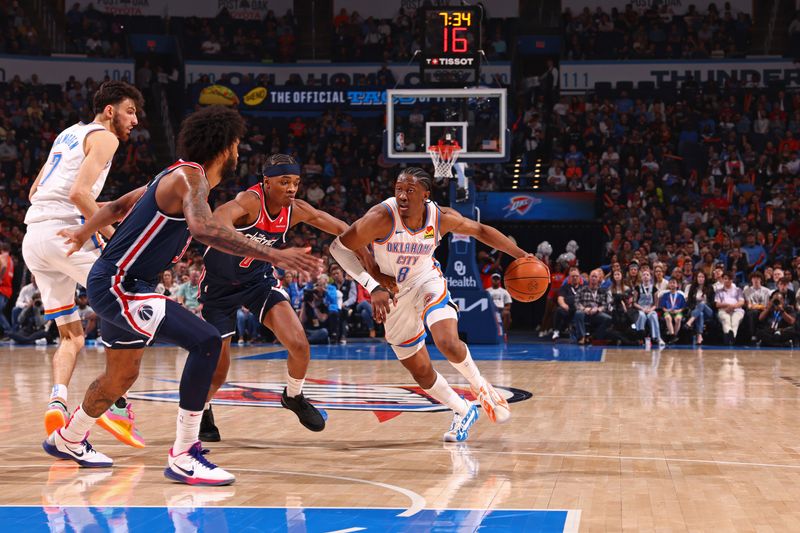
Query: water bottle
[647,343]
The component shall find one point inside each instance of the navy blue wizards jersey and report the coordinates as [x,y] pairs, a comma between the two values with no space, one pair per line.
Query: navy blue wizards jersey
[148,241]
[223,269]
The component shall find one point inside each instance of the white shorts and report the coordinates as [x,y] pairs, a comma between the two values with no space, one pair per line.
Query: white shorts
[421,306]
[57,275]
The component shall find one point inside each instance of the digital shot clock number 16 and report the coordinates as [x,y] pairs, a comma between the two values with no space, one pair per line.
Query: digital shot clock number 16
[455,27]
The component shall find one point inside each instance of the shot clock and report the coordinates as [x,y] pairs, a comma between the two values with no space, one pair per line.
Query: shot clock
[451,54]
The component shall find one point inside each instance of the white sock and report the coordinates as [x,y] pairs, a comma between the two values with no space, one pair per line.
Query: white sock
[78,425]
[188,430]
[207,406]
[59,391]
[443,393]
[294,386]
[470,371]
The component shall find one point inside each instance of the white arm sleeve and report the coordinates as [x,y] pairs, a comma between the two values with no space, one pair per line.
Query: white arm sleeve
[349,262]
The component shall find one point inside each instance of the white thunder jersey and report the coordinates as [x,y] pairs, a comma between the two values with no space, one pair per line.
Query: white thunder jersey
[407,254]
[50,202]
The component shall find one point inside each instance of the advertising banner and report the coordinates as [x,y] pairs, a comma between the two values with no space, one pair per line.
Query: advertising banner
[258,98]
[327,74]
[59,69]
[239,9]
[514,207]
[678,7]
[580,76]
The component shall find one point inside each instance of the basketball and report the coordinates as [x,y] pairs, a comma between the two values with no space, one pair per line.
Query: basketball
[527,279]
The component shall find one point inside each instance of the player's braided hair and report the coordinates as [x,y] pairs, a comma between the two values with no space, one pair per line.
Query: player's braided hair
[208,132]
[277,159]
[421,175]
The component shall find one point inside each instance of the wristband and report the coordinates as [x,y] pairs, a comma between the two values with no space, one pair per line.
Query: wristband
[371,285]
[379,288]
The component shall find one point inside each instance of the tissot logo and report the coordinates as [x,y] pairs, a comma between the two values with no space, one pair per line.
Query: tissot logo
[385,400]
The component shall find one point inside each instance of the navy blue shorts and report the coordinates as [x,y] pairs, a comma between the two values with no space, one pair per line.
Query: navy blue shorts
[132,314]
[221,302]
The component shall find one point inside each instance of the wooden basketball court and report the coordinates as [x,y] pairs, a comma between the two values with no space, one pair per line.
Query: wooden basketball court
[610,440]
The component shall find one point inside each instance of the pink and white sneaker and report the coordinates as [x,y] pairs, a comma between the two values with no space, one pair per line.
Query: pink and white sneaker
[192,468]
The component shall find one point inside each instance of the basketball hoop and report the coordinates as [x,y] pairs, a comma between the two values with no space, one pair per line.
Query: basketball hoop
[444,157]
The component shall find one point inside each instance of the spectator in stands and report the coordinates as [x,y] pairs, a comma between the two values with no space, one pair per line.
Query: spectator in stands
[784,290]
[87,315]
[246,325]
[645,302]
[313,316]
[673,305]
[364,309]
[6,288]
[188,293]
[168,286]
[699,302]
[346,288]
[26,295]
[502,303]
[592,307]
[756,299]
[326,299]
[776,323]
[293,289]
[730,302]
[567,296]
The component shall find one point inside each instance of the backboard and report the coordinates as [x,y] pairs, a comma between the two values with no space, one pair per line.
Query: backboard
[419,118]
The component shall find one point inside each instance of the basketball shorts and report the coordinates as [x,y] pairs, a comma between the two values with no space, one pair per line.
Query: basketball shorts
[221,302]
[131,312]
[57,275]
[419,307]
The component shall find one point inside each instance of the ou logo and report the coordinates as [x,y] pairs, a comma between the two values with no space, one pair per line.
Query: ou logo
[461,268]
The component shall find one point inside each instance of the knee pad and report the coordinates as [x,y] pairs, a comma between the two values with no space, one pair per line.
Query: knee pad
[208,345]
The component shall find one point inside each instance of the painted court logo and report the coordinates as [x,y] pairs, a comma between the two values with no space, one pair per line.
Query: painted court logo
[385,400]
[521,204]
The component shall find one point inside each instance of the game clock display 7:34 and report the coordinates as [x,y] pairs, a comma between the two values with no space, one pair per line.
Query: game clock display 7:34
[452,30]
[451,53]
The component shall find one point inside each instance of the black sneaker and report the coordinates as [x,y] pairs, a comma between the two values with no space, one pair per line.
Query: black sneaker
[208,430]
[306,413]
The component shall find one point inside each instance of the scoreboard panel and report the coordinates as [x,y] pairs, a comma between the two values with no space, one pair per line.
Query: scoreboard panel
[452,49]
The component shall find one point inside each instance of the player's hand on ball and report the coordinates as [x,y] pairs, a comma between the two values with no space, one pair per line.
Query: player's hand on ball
[73,239]
[381,298]
[298,259]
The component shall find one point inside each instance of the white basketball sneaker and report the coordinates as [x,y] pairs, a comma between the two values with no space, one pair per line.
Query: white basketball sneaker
[459,428]
[191,467]
[80,452]
[496,406]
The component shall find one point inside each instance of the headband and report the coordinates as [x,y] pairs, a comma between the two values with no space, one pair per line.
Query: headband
[281,170]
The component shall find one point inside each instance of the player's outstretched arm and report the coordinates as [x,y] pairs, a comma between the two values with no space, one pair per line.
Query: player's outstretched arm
[305,212]
[241,211]
[100,148]
[192,188]
[105,216]
[452,220]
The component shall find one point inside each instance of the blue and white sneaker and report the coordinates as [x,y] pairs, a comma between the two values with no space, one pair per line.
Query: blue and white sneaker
[459,428]
[191,467]
[80,452]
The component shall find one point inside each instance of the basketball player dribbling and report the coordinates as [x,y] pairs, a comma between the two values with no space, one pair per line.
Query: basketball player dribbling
[264,213]
[404,232]
[63,196]
[162,219]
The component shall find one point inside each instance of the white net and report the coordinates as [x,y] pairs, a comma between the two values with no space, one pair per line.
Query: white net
[444,157]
